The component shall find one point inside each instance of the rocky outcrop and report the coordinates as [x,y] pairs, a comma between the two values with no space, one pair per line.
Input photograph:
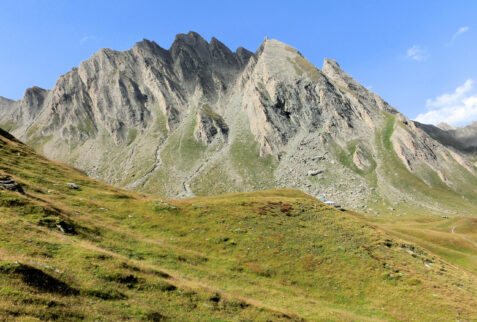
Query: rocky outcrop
[7,183]
[210,125]
[360,158]
[200,118]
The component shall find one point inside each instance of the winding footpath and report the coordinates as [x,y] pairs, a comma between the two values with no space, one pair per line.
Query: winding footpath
[463,237]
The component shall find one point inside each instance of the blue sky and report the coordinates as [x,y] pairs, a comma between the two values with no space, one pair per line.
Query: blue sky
[420,56]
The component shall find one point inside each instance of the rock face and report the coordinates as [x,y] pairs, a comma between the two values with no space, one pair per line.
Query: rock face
[210,125]
[200,119]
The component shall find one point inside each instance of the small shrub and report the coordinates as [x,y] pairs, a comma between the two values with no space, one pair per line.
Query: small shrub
[165,286]
[215,298]
[11,202]
[106,294]
[129,280]
[38,279]
[155,316]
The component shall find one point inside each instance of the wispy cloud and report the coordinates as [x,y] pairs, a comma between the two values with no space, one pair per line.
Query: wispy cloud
[455,108]
[416,53]
[460,32]
[87,38]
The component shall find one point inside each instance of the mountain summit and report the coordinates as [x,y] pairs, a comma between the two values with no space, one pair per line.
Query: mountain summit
[199,119]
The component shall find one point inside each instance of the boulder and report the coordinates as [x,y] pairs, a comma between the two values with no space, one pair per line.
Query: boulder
[312,173]
[72,185]
[8,184]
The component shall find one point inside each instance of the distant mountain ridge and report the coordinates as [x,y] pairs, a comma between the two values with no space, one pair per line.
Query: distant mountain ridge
[199,119]
[462,138]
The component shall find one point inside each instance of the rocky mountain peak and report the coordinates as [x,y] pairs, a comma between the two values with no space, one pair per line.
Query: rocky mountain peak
[243,55]
[274,46]
[148,46]
[221,55]
[34,95]
[276,59]
[216,44]
[201,64]
[190,46]
[192,39]
[444,126]
[199,118]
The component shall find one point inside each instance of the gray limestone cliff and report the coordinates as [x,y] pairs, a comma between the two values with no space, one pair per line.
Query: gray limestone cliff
[201,119]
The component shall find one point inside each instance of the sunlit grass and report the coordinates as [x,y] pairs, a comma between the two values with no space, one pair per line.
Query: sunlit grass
[269,255]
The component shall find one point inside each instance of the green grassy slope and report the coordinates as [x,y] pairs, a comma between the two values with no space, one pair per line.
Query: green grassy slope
[104,253]
[451,235]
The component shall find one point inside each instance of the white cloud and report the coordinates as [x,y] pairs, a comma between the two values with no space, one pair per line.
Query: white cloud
[416,53]
[457,108]
[460,32]
[449,99]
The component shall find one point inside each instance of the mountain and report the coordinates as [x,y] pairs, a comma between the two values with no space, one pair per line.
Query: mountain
[461,138]
[199,119]
[74,248]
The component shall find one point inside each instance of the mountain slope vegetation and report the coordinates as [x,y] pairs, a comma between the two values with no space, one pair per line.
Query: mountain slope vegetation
[74,248]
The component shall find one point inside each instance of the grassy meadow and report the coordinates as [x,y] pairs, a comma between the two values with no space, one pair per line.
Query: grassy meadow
[102,253]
